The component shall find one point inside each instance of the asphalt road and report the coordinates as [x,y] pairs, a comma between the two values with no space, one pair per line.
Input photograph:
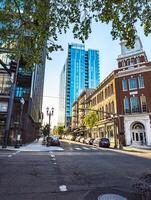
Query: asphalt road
[78,172]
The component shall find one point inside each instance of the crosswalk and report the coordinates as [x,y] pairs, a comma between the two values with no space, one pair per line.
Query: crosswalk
[82,149]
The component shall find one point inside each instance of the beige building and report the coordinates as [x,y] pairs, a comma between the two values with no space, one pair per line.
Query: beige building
[102,99]
[79,111]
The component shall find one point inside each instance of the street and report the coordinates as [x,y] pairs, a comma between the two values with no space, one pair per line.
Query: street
[71,172]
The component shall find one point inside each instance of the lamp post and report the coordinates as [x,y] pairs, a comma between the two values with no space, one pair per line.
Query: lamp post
[49,113]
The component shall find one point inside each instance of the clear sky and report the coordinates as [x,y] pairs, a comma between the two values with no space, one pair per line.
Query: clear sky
[100,39]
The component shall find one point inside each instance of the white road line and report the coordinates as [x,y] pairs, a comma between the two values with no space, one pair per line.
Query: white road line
[93,148]
[63,188]
[16,152]
[77,148]
[9,156]
[86,148]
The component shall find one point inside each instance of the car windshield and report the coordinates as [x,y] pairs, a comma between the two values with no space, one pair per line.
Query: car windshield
[104,139]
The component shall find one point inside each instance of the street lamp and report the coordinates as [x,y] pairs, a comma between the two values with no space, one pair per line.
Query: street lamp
[50,113]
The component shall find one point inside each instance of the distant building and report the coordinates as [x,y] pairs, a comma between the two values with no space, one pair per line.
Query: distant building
[80,71]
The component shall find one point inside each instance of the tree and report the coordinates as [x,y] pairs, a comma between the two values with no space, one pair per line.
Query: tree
[90,119]
[27,26]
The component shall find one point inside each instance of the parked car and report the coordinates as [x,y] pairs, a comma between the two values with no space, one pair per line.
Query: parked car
[101,142]
[82,139]
[104,142]
[53,141]
[78,139]
[89,141]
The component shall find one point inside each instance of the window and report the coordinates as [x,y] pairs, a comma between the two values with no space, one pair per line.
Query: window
[112,107]
[141,81]
[132,83]
[124,85]
[5,84]
[3,106]
[143,104]
[126,105]
[134,104]
[22,92]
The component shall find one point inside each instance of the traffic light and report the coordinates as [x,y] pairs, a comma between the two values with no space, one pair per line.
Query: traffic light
[13,66]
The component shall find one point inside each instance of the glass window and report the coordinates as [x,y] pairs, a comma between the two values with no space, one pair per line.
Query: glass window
[5,84]
[143,103]
[134,104]
[141,81]
[126,105]
[132,83]
[124,85]
[112,107]
[3,106]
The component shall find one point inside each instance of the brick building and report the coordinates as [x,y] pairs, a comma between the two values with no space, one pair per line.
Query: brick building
[134,94]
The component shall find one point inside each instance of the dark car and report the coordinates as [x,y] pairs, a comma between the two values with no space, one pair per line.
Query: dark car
[104,142]
[101,142]
[53,141]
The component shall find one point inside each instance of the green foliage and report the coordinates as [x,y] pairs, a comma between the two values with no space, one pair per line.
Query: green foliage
[90,119]
[58,130]
[31,25]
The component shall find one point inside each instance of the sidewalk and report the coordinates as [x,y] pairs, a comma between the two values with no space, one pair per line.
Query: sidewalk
[35,146]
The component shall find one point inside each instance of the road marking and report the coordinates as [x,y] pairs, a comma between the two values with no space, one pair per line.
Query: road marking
[86,148]
[63,188]
[9,156]
[111,197]
[94,148]
[16,152]
[77,148]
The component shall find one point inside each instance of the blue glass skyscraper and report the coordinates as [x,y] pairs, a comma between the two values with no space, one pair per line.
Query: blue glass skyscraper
[81,71]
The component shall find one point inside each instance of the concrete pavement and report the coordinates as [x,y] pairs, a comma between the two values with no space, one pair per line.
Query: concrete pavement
[36,146]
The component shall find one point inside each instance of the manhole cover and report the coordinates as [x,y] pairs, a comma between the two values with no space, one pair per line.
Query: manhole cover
[111,197]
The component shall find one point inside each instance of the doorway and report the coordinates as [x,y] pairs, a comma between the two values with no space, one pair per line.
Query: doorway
[138,134]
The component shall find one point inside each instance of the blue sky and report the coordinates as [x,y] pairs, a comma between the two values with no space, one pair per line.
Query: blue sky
[100,39]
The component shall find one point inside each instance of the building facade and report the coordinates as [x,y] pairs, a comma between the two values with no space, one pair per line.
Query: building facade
[80,71]
[134,96]
[123,100]
[79,111]
[26,115]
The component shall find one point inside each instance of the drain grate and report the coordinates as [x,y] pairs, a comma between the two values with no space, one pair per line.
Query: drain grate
[111,197]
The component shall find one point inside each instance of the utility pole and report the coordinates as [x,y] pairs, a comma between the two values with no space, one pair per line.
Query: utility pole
[14,74]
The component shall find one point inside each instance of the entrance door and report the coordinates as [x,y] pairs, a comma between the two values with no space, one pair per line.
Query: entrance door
[138,134]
